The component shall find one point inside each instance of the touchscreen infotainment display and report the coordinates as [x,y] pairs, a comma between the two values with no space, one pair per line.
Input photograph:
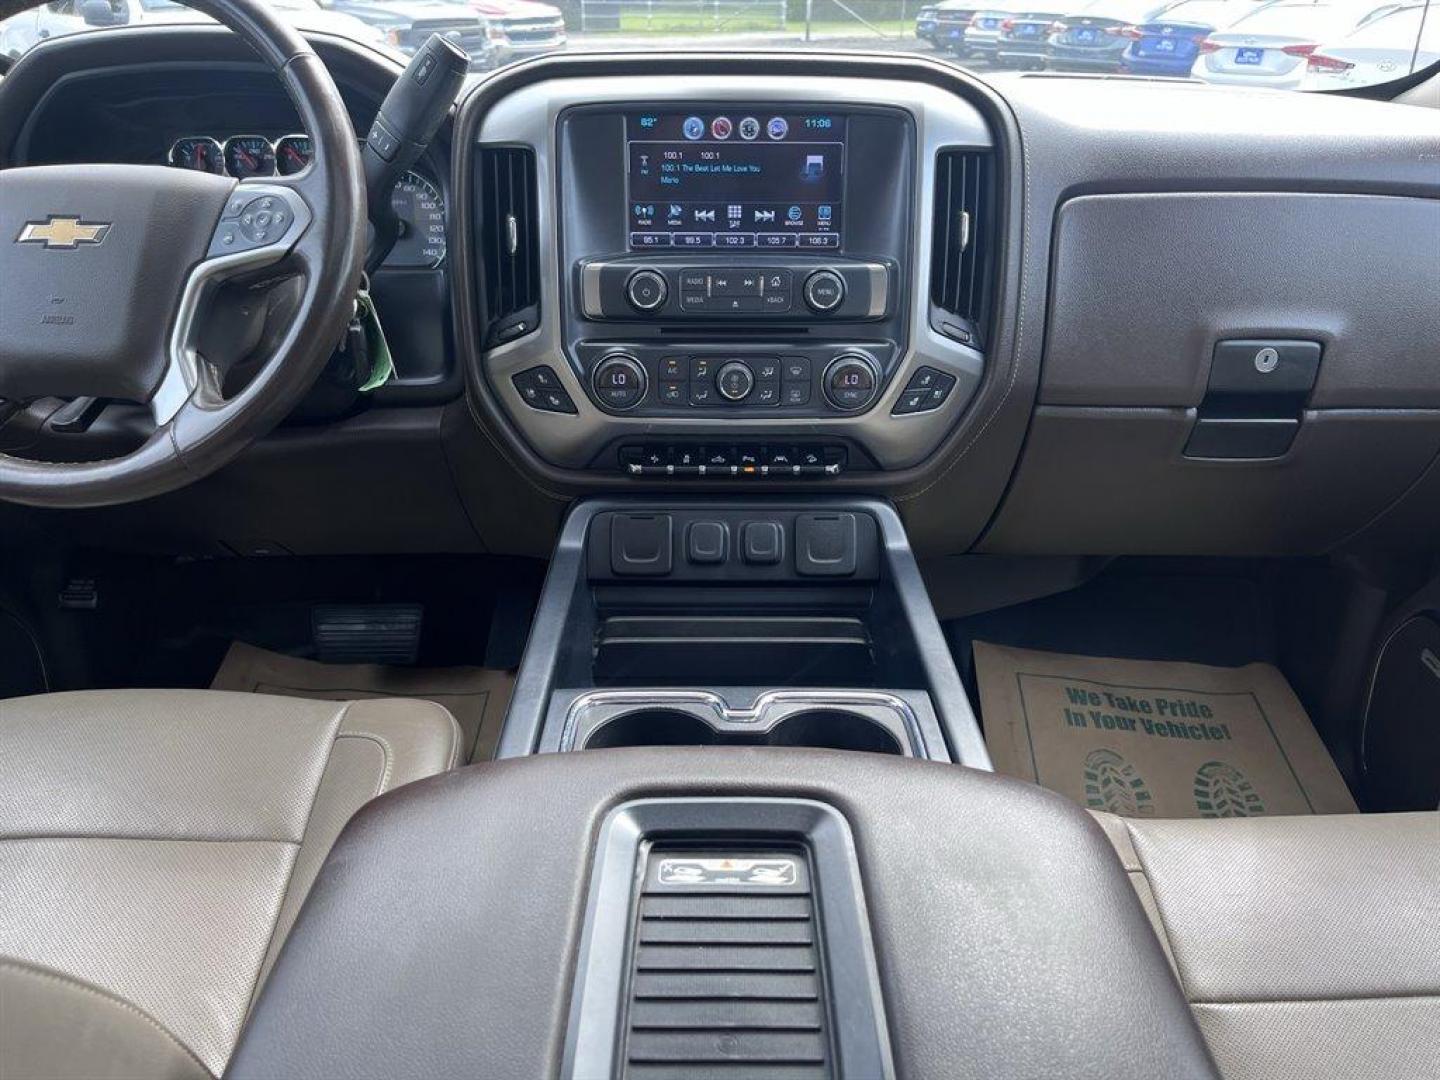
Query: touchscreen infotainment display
[735,177]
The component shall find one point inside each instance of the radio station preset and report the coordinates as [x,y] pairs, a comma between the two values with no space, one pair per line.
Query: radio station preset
[735,177]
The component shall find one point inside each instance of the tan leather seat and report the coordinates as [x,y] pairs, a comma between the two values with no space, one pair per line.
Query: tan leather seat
[155,847]
[1306,946]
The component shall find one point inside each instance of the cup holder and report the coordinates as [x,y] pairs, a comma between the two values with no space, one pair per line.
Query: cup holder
[828,728]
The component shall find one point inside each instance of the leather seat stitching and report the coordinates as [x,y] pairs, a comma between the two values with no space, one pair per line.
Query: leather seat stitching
[103,995]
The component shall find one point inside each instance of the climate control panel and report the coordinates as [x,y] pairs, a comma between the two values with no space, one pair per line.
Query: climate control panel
[661,379]
[789,289]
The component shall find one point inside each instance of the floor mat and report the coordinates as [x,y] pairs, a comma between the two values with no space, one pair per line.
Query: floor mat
[475,696]
[1163,739]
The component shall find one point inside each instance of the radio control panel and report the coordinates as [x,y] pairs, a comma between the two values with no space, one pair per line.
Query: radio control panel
[795,290]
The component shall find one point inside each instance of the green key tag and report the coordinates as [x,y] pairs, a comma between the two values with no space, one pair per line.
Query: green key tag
[382,365]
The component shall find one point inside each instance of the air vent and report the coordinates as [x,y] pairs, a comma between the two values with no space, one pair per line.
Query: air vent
[964,242]
[508,241]
[726,978]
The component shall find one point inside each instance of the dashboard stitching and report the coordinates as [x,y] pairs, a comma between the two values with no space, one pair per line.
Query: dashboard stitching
[1017,352]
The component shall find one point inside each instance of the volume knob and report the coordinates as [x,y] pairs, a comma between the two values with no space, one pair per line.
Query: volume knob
[646,290]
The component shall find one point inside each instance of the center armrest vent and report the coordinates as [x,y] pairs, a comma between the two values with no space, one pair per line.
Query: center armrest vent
[962,254]
[508,242]
[726,977]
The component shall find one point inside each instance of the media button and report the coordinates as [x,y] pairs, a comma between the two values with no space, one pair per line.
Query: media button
[749,128]
[721,127]
[694,281]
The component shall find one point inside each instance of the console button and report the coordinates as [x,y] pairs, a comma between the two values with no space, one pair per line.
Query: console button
[640,545]
[702,393]
[851,381]
[540,388]
[646,290]
[619,381]
[796,369]
[762,543]
[766,393]
[735,381]
[707,543]
[701,367]
[824,290]
[926,390]
[795,393]
[674,367]
[825,545]
[673,393]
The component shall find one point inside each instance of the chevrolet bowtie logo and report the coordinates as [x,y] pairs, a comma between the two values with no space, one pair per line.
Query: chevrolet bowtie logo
[63,232]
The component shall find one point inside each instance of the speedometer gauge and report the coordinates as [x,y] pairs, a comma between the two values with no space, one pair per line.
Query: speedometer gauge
[198,152]
[421,209]
[249,155]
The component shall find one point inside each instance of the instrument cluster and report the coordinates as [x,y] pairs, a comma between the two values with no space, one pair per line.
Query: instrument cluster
[416,200]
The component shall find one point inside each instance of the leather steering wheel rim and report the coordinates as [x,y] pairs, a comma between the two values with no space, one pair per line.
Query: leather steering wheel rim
[323,240]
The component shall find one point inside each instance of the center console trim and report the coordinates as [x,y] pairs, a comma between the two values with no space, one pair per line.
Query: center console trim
[755,716]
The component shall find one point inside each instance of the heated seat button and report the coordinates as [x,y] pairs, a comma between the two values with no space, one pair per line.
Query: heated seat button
[762,543]
[927,389]
[540,388]
[707,543]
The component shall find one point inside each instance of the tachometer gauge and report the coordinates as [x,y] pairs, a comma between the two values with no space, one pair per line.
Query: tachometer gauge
[249,155]
[421,209]
[198,152]
[293,153]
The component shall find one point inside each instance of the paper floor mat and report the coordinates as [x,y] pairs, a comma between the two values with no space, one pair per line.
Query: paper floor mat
[475,696]
[1148,738]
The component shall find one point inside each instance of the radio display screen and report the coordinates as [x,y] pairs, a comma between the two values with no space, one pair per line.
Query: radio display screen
[735,177]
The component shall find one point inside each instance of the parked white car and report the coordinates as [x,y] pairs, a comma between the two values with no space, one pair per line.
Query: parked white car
[1381,49]
[982,36]
[23,32]
[1270,46]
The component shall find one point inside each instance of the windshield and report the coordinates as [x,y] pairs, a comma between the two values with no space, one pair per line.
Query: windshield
[1295,45]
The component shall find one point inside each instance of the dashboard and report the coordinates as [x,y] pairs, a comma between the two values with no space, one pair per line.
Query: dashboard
[862,275]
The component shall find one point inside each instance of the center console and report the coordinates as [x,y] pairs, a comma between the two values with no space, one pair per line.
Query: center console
[761,622]
[737,277]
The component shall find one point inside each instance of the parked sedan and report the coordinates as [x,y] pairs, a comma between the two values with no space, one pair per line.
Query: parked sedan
[1383,48]
[1095,37]
[1169,43]
[952,18]
[1270,46]
[982,35]
[1024,37]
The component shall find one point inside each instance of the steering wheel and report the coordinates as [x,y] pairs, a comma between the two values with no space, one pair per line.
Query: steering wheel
[107,273]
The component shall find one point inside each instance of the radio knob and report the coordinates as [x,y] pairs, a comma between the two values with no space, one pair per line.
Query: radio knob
[824,291]
[735,381]
[619,381]
[851,381]
[646,290]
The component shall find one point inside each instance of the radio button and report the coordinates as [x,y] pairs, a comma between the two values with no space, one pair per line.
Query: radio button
[824,291]
[646,290]
[735,381]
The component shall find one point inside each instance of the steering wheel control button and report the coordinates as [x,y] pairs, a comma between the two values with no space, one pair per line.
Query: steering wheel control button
[646,290]
[824,291]
[540,388]
[927,390]
[619,381]
[735,380]
[851,382]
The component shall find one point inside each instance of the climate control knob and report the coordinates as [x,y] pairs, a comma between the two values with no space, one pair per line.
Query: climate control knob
[824,291]
[619,381]
[646,290]
[851,381]
[735,381]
